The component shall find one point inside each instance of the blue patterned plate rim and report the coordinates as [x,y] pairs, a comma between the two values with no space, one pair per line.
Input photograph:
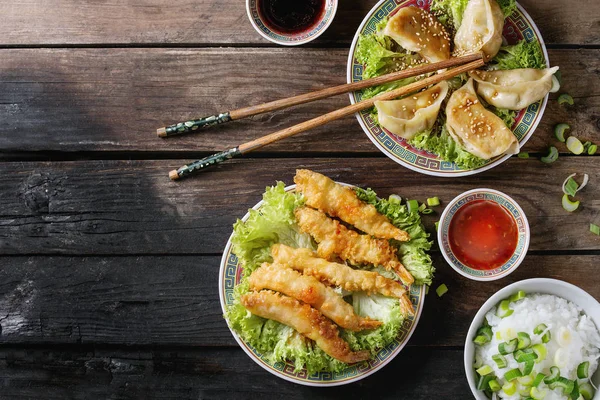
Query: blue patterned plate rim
[293,39]
[522,244]
[416,291]
[450,169]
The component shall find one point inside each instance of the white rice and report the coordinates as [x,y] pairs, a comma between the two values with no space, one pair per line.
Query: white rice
[561,317]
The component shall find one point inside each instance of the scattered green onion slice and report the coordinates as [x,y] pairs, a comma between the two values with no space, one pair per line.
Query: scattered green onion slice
[566,384]
[570,186]
[575,391]
[586,390]
[426,289]
[524,340]
[551,157]
[538,379]
[484,382]
[395,199]
[525,380]
[583,370]
[484,335]
[500,360]
[595,229]
[512,374]
[478,361]
[592,149]
[559,131]
[555,84]
[574,145]
[523,154]
[437,225]
[433,201]
[413,206]
[569,205]
[509,388]
[505,348]
[422,207]
[541,352]
[518,296]
[537,394]
[528,368]
[441,290]
[553,377]
[504,309]
[484,370]
[494,385]
[565,99]
[540,329]
[427,211]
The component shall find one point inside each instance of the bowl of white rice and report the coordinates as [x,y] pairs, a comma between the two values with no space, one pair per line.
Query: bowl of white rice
[535,339]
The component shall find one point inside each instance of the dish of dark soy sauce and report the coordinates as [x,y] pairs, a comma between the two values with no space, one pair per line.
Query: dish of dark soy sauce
[291,16]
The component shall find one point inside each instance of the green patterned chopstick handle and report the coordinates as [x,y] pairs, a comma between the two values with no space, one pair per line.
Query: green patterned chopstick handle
[204,163]
[194,124]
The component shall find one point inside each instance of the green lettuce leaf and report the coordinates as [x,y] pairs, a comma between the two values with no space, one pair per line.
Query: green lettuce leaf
[506,115]
[413,254]
[521,55]
[450,12]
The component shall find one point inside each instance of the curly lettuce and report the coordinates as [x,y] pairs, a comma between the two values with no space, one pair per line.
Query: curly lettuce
[274,223]
[524,54]
[450,12]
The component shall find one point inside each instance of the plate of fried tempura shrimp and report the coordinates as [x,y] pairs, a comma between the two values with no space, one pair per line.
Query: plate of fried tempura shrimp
[323,283]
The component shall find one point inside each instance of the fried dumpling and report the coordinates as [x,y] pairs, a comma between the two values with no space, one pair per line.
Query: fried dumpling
[479,131]
[514,88]
[417,30]
[412,114]
[481,29]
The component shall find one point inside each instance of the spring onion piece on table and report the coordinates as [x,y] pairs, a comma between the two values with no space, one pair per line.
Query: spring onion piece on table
[441,290]
[395,199]
[525,380]
[509,388]
[565,99]
[538,379]
[537,394]
[592,149]
[569,205]
[524,340]
[494,385]
[427,211]
[555,84]
[504,309]
[437,225]
[570,186]
[559,131]
[595,229]
[413,206]
[505,348]
[512,374]
[551,157]
[523,154]
[422,207]
[433,201]
[541,352]
[518,296]
[553,377]
[528,368]
[574,145]
[586,390]
[499,360]
[583,370]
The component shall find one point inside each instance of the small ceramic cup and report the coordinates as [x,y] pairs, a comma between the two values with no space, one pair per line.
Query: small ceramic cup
[511,207]
[291,39]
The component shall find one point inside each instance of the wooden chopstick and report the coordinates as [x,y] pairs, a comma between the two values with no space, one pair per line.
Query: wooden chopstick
[205,122]
[247,147]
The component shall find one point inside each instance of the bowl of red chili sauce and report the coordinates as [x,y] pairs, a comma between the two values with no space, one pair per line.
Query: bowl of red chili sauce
[483,234]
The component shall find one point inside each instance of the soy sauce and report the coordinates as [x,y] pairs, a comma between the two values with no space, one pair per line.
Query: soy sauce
[291,16]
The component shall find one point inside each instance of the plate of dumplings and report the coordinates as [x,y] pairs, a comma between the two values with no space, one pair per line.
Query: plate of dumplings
[472,122]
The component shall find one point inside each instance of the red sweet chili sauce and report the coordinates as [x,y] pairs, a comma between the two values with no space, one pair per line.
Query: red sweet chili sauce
[483,235]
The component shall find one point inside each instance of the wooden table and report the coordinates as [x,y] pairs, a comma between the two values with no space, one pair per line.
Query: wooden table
[108,270]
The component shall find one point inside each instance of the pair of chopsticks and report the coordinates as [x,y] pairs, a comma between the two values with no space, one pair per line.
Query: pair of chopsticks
[462,64]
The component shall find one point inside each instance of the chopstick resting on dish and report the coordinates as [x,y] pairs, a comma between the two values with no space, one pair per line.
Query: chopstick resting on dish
[220,118]
[247,147]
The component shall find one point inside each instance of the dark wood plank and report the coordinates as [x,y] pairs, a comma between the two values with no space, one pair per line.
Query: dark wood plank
[163,301]
[131,207]
[114,99]
[207,21]
[211,374]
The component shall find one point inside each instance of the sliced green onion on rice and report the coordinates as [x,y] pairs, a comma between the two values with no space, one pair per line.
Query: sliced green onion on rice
[524,340]
[494,385]
[512,374]
[509,388]
[541,352]
[525,380]
[566,384]
[518,296]
[538,330]
[553,377]
[504,309]
[586,390]
[538,379]
[484,382]
[583,370]
[484,370]
[505,348]
[528,368]
[499,360]
[537,394]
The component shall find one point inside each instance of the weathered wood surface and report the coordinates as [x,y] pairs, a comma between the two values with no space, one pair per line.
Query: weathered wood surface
[174,301]
[416,373]
[58,22]
[72,100]
[131,207]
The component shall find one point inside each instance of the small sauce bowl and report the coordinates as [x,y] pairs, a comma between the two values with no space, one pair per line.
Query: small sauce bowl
[507,204]
[295,38]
